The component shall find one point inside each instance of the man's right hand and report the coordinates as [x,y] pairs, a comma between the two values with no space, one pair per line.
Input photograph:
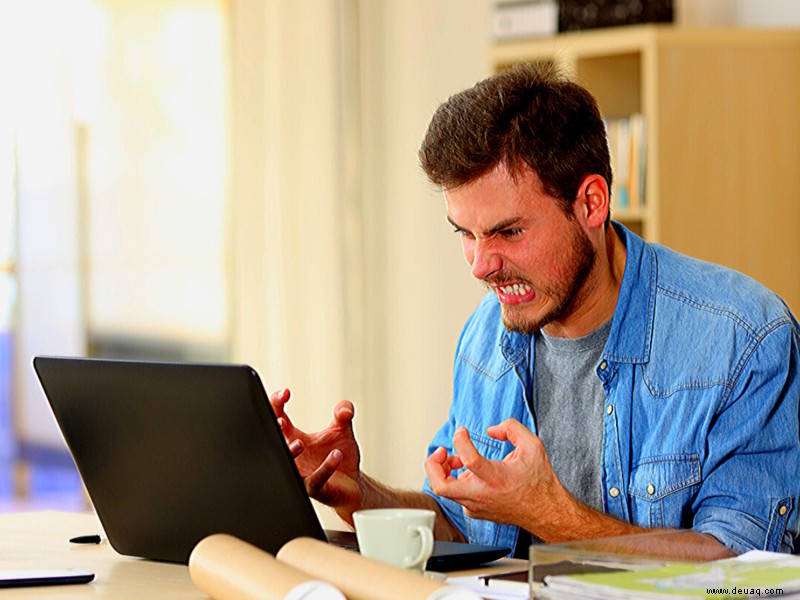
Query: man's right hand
[328,461]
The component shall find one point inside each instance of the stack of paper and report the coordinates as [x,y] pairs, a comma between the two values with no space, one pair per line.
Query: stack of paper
[752,575]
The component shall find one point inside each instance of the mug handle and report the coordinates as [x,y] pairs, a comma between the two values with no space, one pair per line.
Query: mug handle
[425,551]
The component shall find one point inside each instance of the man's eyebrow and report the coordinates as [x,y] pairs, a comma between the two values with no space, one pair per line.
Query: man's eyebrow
[454,224]
[505,224]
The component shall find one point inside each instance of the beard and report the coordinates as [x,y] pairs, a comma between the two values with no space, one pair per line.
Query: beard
[564,290]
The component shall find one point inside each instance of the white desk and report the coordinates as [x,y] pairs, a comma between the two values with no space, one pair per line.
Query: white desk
[38,540]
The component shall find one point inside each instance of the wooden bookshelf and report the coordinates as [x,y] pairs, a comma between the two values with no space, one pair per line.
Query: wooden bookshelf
[722,113]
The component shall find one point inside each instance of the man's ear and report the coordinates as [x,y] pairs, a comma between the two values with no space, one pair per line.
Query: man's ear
[593,201]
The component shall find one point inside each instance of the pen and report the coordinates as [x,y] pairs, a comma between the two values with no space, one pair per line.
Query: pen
[85,539]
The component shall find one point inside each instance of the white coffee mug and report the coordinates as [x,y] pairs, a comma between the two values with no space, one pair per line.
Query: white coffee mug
[402,537]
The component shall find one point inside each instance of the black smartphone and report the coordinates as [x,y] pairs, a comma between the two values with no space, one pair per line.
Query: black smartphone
[32,577]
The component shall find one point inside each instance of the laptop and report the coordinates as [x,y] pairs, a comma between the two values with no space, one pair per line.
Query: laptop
[173,452]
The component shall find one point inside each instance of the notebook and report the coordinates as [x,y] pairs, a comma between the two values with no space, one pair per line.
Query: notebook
[173,452]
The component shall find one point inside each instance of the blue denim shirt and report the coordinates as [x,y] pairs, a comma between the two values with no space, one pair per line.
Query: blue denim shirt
[702,381]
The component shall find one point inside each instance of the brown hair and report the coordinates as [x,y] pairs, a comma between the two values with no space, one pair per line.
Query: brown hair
[530,115]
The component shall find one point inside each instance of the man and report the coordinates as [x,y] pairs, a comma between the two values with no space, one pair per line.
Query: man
[604,385]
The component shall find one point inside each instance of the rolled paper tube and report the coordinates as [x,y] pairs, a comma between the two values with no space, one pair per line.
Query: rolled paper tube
[227,568]
[362,578]
[453,593]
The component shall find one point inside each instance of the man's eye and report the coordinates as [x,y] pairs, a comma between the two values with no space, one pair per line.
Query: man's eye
[463,233]
[509,233]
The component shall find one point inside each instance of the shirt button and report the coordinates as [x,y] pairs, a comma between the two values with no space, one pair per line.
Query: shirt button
[651,489]
[613,492]
[609,409]
[603,365]
[782,510]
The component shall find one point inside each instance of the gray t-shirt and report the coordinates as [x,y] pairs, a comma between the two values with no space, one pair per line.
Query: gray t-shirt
[568,401]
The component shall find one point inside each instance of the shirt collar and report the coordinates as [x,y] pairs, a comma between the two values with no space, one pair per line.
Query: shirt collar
[632,327]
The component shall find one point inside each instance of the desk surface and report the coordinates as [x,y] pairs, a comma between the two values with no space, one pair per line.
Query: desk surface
[39,540]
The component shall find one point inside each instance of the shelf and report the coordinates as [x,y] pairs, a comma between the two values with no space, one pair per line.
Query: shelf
[722,131]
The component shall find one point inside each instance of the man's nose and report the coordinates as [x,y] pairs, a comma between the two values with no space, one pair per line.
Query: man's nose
[485,261]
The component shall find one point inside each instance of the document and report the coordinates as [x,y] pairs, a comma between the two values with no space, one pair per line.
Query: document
[751,575]
[498,590]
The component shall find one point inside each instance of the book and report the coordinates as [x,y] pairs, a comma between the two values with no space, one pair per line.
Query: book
[759,574]
[627,146]
[227,568]
[621,159]
[524,18]
[636,171]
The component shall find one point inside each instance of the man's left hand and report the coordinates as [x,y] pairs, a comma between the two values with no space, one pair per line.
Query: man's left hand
[518,490]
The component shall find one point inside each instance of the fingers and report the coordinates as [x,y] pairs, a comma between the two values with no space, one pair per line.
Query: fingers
[469,455]
[510,430]
[437,467]
[343,414]
[455,463]
[278,400]
[525,442]
[296,448]
[317,479]
[287,429]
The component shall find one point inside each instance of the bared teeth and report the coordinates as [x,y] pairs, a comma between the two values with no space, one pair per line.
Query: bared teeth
[517,289]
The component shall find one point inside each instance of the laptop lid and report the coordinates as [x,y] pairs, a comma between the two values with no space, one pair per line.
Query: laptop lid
[173,452]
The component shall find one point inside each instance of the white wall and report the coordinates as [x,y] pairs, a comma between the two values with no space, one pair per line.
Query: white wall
[348,281]
[415,54]
[287,222]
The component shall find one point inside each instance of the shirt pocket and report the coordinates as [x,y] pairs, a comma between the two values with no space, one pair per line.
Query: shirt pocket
[492,367]
[661,490]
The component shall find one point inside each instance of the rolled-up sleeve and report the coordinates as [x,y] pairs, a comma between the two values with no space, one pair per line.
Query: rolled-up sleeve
[751,481]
